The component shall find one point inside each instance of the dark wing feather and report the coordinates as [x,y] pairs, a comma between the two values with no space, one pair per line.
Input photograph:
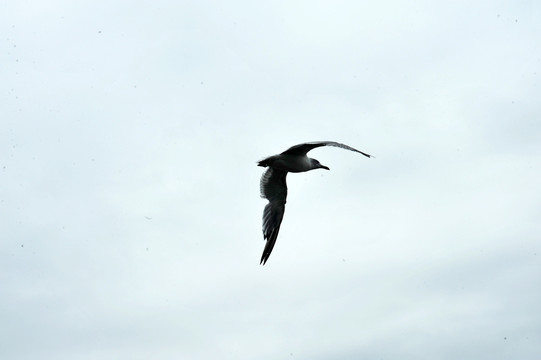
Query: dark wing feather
[302,149]
[273,188]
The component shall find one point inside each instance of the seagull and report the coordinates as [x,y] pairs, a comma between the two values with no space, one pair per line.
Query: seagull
[273,185]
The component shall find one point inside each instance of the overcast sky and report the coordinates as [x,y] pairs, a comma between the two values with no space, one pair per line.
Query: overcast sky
[130,216]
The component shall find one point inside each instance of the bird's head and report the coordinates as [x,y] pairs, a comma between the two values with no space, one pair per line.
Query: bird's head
[317,165]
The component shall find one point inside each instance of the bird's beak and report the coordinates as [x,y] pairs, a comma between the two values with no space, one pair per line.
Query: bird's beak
[324,167]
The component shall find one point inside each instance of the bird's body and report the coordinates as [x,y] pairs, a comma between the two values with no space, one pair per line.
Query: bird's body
[274,188]
[288,163]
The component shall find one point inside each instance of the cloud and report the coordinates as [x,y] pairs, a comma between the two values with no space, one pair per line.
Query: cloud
[129,185]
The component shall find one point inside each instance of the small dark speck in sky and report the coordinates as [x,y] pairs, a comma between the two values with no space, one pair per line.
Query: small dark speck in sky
[148,218]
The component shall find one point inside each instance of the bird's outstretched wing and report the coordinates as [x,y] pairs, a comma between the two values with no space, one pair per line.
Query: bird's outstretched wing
[273,188]
[302,149]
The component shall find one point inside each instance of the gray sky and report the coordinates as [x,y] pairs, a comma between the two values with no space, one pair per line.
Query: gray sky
[129,192]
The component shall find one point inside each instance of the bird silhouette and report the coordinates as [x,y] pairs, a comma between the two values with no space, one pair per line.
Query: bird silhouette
[273,185]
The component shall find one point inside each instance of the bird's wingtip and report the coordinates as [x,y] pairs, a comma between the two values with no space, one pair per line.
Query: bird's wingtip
[367,155]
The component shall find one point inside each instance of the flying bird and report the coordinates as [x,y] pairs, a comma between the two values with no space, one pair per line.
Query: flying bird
[273,185]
